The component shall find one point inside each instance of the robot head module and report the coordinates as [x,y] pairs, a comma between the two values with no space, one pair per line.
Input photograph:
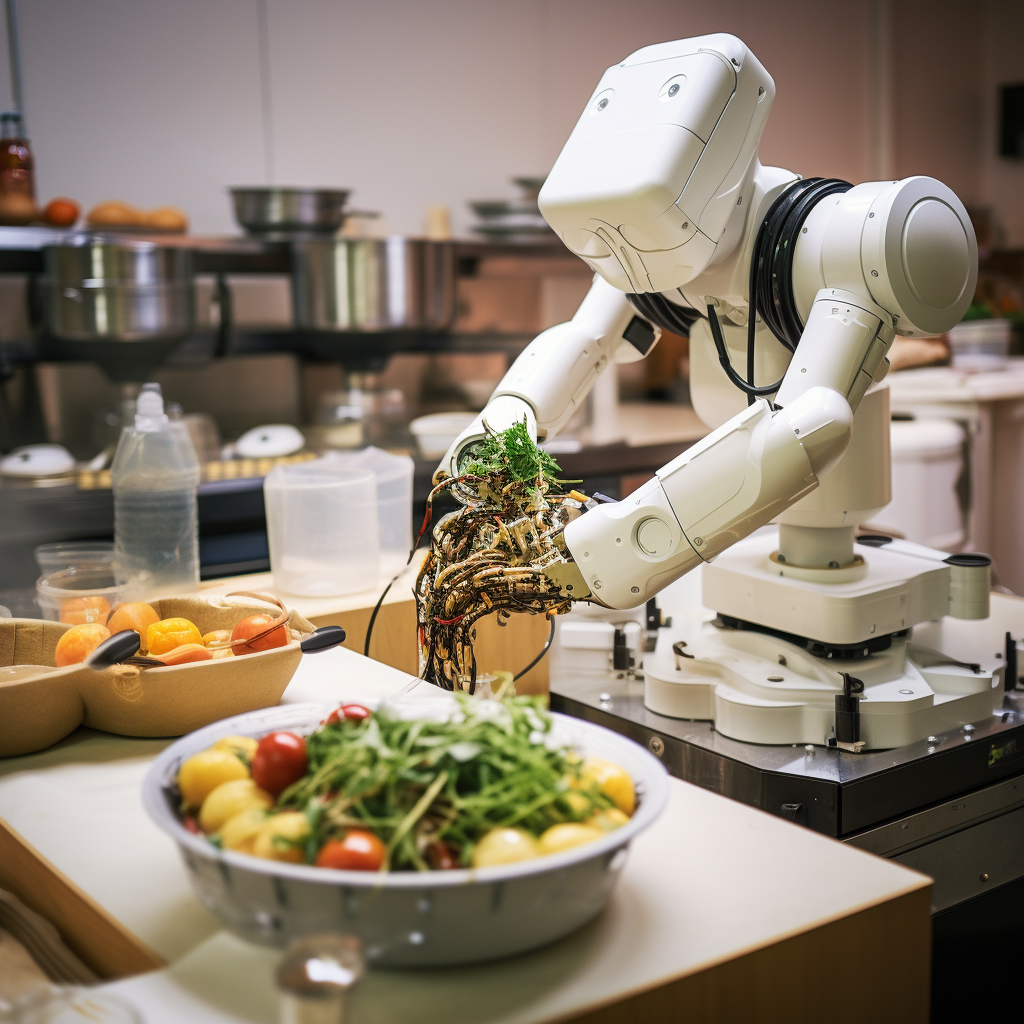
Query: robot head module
[661,162]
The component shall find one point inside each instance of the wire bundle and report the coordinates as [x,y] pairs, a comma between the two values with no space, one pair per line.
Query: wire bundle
[486,558]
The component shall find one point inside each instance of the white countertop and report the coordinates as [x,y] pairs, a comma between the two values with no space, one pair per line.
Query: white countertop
[947,384]
[711,880]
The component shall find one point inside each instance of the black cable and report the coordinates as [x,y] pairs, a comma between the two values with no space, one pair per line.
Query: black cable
[376,609]
[723,358]
[771,266]
[663,313]
[544,650]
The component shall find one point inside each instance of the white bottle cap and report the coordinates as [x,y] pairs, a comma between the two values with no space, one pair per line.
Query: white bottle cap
[149,409]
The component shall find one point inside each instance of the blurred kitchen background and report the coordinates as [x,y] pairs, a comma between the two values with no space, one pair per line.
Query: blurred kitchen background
[426,114]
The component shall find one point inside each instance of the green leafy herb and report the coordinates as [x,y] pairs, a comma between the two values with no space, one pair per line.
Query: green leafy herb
[416,783]
[514,455]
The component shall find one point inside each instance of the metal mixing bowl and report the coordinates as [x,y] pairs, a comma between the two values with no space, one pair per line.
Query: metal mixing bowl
[283,212]
[408,918]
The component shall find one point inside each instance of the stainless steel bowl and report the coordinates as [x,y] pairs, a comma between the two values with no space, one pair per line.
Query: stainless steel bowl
[408,918]
[369,285]
[286,211]
[95,288]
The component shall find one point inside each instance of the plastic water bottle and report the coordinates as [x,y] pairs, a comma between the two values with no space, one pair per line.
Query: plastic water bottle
[156,523]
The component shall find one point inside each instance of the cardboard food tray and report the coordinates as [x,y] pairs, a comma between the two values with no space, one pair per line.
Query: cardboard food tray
[38,710]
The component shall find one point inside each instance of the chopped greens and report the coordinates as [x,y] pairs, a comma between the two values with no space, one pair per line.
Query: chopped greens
[427,787]
[513,455]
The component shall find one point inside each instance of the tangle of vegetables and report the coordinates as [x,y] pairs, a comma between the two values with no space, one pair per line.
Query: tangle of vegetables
[488,557]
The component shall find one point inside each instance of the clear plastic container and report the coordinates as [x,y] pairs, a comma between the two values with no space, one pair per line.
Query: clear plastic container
[394,475]
[155,476]
[66,555]
[86,592]
[322,527]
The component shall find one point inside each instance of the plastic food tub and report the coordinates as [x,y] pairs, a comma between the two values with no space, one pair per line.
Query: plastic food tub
[408,918]
[86,592]
[67,555]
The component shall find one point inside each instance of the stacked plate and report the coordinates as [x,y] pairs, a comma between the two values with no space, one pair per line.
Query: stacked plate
[513,220]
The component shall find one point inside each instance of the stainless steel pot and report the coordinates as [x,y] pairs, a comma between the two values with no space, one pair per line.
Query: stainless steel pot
[373,285]
[282,212]
[120,291]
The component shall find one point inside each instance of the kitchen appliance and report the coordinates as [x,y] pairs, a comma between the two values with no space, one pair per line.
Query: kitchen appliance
[407,918]
[122,303]
[950,804]
[372,286]
[359,300]
[928,483]
[281,213]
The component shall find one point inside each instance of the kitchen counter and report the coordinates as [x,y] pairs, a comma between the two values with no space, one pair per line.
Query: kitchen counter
[721,909]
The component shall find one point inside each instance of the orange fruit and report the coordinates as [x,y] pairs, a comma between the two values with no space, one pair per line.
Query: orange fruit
[76,610]
[61,212]
[165,635]
[133,615]
[79,642]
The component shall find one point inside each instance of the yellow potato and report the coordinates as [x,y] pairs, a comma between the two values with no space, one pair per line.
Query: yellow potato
[608,820]
[504,846]
[243,747]
[282,838]
[566,836]
[202,773]
[240,832]
[579,802]
[613,781]
[229,799]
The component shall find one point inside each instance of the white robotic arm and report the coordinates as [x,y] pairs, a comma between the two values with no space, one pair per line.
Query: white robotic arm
[741,475]
[677,126]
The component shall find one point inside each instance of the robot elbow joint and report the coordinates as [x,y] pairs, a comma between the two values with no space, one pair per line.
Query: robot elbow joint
[822,420]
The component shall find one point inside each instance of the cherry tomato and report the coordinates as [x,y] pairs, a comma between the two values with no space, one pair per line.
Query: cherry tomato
[441,857]
[256,624]
[358,851]
[349,713]
[280,760]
